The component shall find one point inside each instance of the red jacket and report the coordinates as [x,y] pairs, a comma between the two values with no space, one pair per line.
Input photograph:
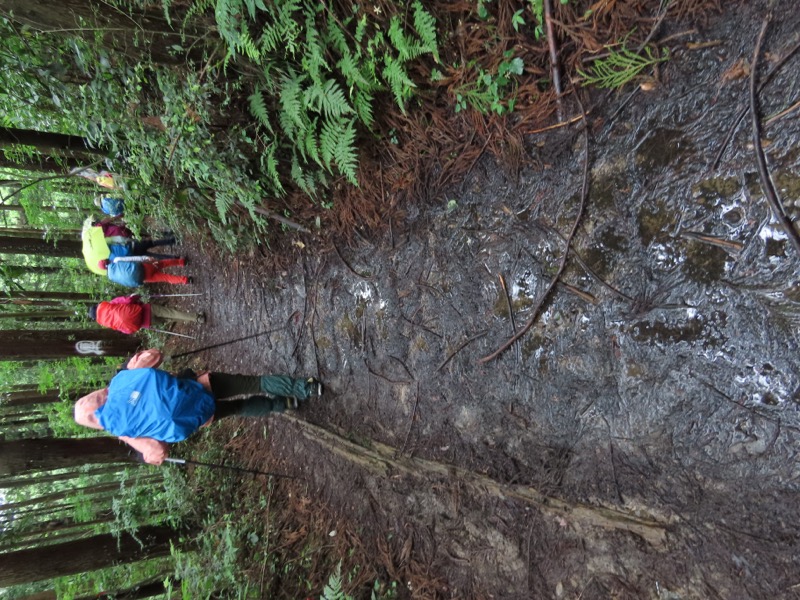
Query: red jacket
[127,314]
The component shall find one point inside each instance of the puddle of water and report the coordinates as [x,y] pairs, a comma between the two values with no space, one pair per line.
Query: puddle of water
[663,147]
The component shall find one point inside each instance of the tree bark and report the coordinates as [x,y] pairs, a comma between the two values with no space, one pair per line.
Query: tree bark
[22,344]
[21,245]
[46,142]
[145,34]
[88,554]
[19,457]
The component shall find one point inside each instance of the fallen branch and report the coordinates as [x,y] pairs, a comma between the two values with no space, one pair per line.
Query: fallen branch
[410,425]
[763,171]
[743,113]
[563,263]
[510,313]
[551,44]
[276,217]
[460,348]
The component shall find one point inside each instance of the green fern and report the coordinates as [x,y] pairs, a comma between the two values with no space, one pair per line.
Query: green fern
[333,589]
[425,25]
[200,6]
[398,80]
[259,109]
[362,102]
[620,67]
[337,146]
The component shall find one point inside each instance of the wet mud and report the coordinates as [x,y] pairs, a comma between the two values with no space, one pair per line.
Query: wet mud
[641,439]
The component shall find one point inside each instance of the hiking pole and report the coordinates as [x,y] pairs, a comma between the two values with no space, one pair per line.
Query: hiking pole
[175,295]
[191,337]
[241,339]
[185,461]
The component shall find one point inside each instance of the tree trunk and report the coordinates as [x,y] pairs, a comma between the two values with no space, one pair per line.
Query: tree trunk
[22,344]
[138,35]
[44,141]
[28,398]
[79,556]
[18,457]
[31,295]
[21,245]
[21,482]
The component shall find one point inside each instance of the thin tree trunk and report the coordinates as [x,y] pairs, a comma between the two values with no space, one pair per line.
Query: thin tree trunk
[22,344]
[79,556]
[25,456]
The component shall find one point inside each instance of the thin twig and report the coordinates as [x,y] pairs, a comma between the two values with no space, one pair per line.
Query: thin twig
[410,425]
[782,114]
[349,268]
[562,265]
[765,80]
[397,381]
[510,314]
[763,171]
[460,348]
[279,218]
[551,44]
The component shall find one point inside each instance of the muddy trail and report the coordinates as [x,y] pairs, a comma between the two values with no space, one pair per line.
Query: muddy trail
[640,440]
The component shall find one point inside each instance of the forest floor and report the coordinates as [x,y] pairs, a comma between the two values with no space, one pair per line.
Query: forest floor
[640,440]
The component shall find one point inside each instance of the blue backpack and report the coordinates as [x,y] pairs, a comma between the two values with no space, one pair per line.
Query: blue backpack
[129,274]
[152,403]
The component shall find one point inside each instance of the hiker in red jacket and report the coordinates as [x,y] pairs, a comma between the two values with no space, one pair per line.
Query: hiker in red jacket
[129,314]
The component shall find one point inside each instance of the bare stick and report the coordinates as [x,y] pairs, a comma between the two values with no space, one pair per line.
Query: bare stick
[743,113]
[763,171]
[510,313]
[460,348]
[563,263]
[551,44]
[410,425]
[276,217]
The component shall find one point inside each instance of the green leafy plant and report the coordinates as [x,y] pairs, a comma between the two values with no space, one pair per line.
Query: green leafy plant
[620,67]
[318,78]
[537,8]
[490,92]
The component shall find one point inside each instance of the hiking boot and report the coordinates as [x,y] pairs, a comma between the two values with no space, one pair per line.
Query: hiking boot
[314,387]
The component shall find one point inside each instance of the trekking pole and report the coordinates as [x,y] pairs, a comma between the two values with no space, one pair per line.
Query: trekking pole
[191,337]
[175,295]
[241,339]
[184,461]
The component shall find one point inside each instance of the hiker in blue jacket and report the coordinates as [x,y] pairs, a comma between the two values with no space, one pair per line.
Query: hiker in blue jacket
[133,271]
[148,408]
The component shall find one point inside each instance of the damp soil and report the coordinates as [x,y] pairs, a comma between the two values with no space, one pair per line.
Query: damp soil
[640,440]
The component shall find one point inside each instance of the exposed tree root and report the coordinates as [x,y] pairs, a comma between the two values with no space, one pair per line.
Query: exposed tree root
[380,460]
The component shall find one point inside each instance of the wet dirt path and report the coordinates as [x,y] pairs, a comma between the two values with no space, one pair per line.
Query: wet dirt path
[660,389]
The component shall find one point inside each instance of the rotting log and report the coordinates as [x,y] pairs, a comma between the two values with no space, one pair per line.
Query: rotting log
[379,460]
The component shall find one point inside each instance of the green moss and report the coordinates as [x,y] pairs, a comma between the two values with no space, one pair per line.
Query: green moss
[653,222]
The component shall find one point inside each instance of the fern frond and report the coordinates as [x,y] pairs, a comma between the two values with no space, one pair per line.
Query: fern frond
[398,80]
[310,144]
[258,107]
[335,38]
[227,14]
[345,154]
[223,203]
[314,53]
[291,116]
[362,101]
[200,6]
[425,25]
[271,163]
[304,181]
[333,589]
[328,140]
[247,46]
[334,101]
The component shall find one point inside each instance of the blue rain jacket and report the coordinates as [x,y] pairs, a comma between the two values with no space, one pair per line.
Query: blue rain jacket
[119,250]
[152,403]
[129,274]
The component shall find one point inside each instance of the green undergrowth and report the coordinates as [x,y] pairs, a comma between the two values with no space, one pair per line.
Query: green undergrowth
[259,537]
